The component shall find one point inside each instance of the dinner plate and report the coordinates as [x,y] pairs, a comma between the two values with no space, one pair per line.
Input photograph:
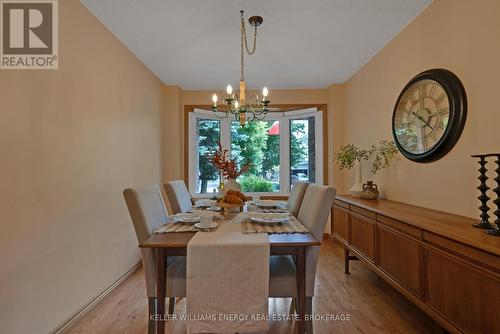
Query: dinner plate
[188,218]
[206,227]
[269,220]
[266,204]
[205,203]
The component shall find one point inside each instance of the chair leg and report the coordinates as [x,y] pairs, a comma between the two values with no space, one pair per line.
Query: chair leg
[151,314]
[293,306]
[171,305]
[309,324]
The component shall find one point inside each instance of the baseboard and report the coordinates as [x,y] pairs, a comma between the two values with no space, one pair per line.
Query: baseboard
[71,322]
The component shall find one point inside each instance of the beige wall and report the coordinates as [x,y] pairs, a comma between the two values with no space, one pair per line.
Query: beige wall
[70,141]
[459,35]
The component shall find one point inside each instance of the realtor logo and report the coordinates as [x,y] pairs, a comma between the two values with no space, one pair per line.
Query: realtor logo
[29,34]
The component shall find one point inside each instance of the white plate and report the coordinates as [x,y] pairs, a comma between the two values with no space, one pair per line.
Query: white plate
[187,218]
[206,227]
[214,208]
[269,220]
[205,203]
[266,204]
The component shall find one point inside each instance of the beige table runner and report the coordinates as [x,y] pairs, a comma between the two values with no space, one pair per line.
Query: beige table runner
[227,281]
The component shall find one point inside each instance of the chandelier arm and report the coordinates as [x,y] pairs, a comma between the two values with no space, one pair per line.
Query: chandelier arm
[222,112]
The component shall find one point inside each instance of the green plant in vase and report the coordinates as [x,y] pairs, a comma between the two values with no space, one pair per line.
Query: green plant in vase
[380,156]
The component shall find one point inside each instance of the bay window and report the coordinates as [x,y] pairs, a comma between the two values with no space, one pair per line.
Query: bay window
[284,148]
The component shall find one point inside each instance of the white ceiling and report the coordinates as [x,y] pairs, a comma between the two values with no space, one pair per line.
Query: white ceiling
[301,44]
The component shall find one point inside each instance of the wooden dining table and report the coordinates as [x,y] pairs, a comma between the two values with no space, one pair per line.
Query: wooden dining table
[175,244]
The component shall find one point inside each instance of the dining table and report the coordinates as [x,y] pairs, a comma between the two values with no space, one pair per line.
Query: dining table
[176,244]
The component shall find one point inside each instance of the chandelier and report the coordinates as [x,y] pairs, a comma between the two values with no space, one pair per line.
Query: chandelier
[238,104]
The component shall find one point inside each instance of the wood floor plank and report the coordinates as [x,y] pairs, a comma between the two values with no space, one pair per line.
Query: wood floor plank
[373,305]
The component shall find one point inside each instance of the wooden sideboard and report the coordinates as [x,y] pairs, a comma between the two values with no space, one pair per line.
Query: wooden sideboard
[437,260]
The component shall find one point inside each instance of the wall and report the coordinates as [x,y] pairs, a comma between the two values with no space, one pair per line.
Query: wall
[459,35]
[70,141]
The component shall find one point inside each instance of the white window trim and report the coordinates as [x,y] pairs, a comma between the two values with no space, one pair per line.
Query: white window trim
[225,133]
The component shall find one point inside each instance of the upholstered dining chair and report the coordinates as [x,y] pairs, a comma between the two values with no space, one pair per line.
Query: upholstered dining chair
[296,197]
[313,214]
[147,210]
[178,196]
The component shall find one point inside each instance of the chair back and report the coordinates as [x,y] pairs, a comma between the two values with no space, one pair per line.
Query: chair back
[313,213]
[178,196]
[296,197]
[147,210]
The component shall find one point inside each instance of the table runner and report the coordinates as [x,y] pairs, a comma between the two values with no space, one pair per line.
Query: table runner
[227,278]
[292,226]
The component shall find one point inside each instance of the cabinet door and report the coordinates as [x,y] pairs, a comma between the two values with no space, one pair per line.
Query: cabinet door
[363,236]
[400,257]
[465,295]
[340,226]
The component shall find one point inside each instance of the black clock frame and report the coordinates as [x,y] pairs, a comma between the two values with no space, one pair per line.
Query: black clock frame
[457,99]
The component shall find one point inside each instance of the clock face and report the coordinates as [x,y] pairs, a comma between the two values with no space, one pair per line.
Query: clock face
[429,115]
[421,116]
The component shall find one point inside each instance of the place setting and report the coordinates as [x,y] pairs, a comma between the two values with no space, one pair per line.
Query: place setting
[192,222]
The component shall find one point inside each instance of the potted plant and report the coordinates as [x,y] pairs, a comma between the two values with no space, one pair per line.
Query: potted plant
[380,157]
[227,167]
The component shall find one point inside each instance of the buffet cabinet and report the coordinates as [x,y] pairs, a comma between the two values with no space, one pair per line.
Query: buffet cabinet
[437,260]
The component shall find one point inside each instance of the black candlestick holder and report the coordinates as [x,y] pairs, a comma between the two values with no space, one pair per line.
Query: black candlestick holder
[496,230]
[483,188]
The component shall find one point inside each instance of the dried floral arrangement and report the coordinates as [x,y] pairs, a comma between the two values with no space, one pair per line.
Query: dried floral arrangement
[228,167]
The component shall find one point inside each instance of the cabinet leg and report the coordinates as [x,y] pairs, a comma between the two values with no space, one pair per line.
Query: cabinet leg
[348,258]
[346,261]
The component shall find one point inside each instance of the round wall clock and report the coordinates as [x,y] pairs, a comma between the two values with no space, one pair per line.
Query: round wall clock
[429,115]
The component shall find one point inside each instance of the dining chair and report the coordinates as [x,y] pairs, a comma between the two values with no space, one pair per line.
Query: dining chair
[313,213]
[178,196]
[296,197]
[148,212]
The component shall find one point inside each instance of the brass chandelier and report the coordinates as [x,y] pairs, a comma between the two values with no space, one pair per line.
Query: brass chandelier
[238,104]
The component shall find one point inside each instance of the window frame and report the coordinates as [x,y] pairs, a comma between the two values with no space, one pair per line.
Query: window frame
[284,118]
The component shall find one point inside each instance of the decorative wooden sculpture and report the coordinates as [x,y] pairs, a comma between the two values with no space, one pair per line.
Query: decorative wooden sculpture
[496,230]
[483,188]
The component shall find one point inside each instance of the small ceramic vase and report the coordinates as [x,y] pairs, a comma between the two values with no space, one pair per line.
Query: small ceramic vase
[370,190]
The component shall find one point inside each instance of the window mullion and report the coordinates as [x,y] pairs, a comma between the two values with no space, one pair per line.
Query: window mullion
[284,155]
[225,134]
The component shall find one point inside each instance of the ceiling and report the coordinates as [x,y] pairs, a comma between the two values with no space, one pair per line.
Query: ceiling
[301,44]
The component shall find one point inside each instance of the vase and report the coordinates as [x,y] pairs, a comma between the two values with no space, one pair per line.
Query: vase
[232,185]
[357,188]
[370,190]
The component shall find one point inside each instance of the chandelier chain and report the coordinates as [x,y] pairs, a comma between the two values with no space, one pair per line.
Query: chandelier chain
[244,45]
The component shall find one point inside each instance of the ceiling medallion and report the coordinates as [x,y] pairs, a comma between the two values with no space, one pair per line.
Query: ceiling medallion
[238,105]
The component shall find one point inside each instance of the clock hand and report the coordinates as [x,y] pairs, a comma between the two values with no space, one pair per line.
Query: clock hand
[420,118]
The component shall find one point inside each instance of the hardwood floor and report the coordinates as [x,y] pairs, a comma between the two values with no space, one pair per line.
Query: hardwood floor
[373,306]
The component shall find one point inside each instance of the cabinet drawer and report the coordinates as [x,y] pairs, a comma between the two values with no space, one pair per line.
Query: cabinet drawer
[400,257]
[341,204]
[401,227]
[463,294]
[340,224]
[363,236]
[364,212]
[481,258]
